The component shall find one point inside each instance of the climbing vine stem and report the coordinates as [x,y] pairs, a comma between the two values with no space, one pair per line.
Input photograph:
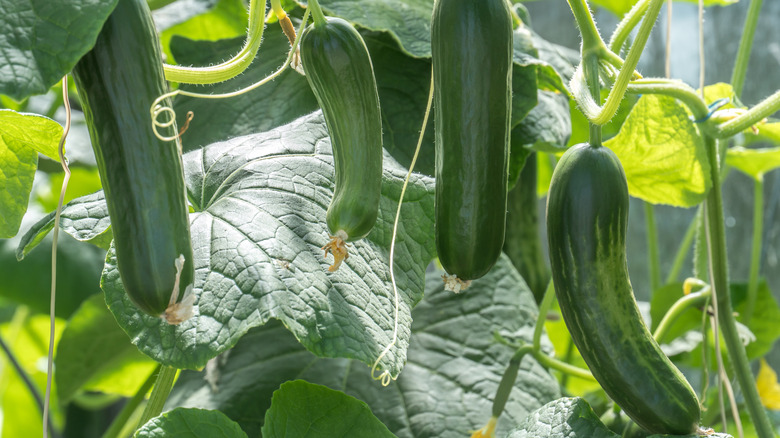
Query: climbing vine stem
[716,244]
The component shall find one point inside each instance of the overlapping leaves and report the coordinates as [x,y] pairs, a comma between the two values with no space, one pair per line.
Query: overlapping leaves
[257,229]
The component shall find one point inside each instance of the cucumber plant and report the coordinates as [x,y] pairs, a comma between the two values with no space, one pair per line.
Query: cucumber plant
[471,51]
[142,176]
[339,70]
[473,48]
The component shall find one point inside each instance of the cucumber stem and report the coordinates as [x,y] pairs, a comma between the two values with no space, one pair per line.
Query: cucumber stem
[755,254]
[627,24]
[508,380]
[683,250]
[129,408]
[745,46]
[232,67]
[654,270]
[754,115]
[544,309]
[673,88]
[162,387]
[716,243]
[596,113]
[591,40]
[316,13]
[679,306]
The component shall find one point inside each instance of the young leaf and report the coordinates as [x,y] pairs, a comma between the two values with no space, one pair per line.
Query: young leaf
[754,162]
[190,423]
[42,42]
[304,410]
[662,153]
[446,389]
[22,137]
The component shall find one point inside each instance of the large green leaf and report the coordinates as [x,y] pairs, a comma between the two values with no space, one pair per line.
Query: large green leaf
[304,410]
[446,389]
[754,162]
[257,230]
[41,41]
[94,352]
[22,137]
[190,423]
[662,153]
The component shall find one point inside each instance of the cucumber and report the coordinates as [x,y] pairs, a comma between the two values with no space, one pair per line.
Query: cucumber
[142,176]
[523,244]
[587,220]
[471,47]
[339,71]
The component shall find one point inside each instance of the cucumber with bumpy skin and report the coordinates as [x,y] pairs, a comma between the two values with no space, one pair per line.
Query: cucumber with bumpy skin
[471,47]
[338,68]
[587,220]
[142,176]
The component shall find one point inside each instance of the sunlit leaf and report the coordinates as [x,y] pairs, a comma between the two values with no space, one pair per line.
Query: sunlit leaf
[754,162]
[662,153]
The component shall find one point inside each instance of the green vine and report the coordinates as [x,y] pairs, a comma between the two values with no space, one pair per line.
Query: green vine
[162,387]
[716,244]
[231,68]
[745,47]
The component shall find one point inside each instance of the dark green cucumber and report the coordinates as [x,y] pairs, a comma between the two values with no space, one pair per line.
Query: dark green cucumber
[142,176]
[523,242]
[471,46]
[339,71]
[587,220]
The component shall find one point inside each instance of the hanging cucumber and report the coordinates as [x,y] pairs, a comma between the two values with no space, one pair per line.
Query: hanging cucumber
[142,176]
[339,71]
[523,244]
[471,46]
[587,219]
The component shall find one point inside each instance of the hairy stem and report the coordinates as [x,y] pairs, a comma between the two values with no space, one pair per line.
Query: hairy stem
[755,254]
[745,47]
[129,408]
[232,67]
[693,299]
[754,115]
[682,251]
[316,13]
[595,113]
[162,387]
[627,24]
[654,269]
